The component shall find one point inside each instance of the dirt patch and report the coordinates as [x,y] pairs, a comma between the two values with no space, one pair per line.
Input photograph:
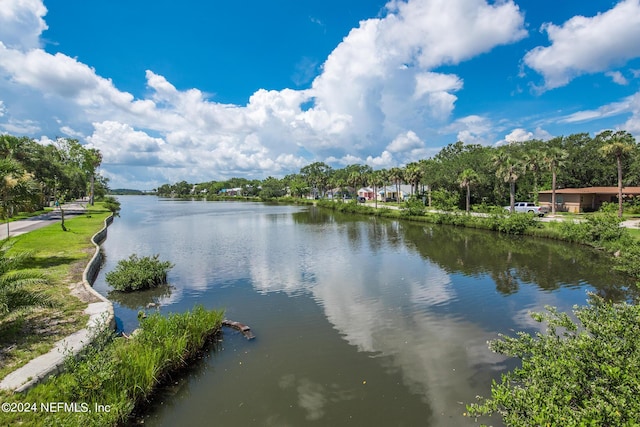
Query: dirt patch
[28,335]
[78,290]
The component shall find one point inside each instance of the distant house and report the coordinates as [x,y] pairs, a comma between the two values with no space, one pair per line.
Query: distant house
[339,192]
[391,192]
[585,199]
[367,193]
[231,191]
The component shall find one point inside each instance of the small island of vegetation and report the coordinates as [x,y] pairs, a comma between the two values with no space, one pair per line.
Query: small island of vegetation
[137,273]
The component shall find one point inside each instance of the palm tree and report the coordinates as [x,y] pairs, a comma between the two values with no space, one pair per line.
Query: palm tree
[377,180]
[509,168]
[533,159]
[396,175]
[554,158]
[429,172]
[617,145]
[414,174]
[467,178]
[13,295]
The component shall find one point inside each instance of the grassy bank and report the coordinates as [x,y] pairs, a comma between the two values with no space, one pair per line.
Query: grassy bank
[61,257]
[116,374]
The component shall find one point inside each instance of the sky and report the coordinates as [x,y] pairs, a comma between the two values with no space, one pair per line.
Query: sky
[202,91]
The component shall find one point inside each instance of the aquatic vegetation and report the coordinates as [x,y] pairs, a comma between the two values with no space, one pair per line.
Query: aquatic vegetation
[138,273]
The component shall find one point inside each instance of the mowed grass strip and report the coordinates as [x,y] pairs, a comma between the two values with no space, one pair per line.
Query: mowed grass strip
[61,257]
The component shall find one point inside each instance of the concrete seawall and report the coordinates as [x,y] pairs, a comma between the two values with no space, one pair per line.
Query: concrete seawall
[101,316]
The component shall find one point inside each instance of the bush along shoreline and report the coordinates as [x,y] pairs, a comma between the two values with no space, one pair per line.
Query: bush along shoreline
[104,384]
[578,373]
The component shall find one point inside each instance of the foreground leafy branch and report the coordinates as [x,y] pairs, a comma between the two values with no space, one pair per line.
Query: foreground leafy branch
[15,282]
[575,374]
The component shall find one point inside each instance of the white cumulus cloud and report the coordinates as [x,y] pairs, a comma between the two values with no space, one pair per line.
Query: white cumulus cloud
[21,23]
[522,135]
[376,100]
[585,45]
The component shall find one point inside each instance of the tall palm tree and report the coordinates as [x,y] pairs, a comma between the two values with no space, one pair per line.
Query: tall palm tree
[467,178]
[429,173]
[357,179]
[396,175]
[554,158]
[13,295]
[377,180]
[533,158]
[618,145]
[509,168]
[385,179]
[414,174]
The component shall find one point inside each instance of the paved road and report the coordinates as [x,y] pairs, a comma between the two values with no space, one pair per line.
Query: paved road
[25,225]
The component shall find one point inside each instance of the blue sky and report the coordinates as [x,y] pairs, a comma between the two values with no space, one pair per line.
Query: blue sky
[211,90]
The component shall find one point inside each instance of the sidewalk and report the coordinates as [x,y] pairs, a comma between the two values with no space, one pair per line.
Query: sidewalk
[22,226]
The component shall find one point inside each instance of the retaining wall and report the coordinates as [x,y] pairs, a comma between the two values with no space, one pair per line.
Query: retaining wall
[101,316]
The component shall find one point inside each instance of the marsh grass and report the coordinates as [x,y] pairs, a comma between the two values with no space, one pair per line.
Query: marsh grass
[61,257]
[121,373]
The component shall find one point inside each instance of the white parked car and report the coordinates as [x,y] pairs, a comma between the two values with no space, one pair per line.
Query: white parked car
[528,207]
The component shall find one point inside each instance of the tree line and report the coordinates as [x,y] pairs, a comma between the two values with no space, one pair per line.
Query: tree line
[460,174]
[33,175]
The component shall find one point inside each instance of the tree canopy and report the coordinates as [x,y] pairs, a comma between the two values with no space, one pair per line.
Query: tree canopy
[32,174]
[516,171]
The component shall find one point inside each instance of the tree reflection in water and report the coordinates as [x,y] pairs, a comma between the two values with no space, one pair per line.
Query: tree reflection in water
[141,299]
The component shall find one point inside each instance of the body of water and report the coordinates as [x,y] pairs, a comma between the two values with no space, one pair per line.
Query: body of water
[359,321]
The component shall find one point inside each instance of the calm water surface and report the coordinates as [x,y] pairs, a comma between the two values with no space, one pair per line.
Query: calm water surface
[359,321]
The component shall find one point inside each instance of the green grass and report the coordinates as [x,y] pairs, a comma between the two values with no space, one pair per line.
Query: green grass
[635,233]
[61,257]
[119,373]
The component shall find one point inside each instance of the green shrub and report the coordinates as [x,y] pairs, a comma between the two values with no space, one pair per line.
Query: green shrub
[112,204]
[629,259]
[605,227]
[413,207]
[600,229]
[445,199]
[515,223]
[632,206]
[584,374]
[138,273]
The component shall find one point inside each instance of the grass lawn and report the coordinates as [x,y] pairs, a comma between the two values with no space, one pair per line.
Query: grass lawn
[61,257]
[635,233]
